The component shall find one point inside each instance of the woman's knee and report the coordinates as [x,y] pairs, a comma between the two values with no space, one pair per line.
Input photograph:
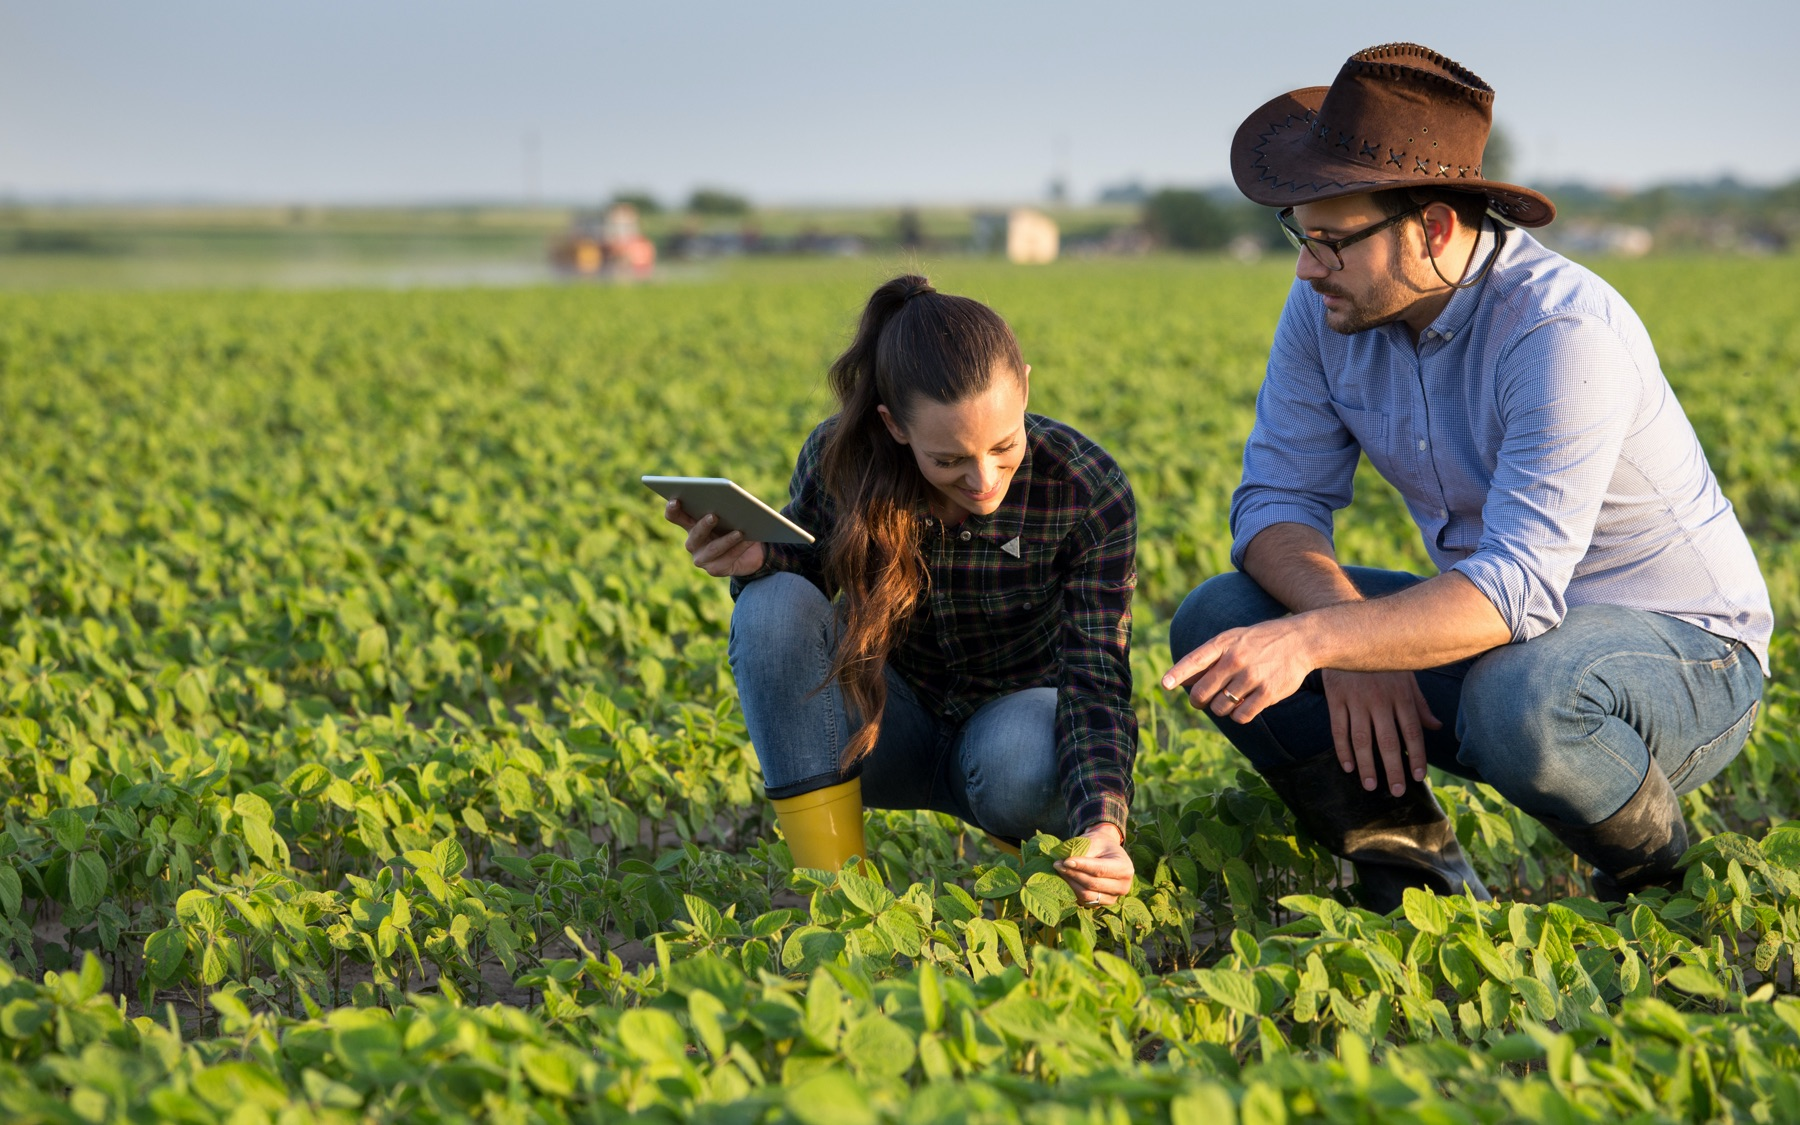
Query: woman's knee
[1230,600]
[1010,767]
[779,619]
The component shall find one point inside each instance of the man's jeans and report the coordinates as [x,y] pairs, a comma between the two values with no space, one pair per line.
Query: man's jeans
[997,771]
[1564,725]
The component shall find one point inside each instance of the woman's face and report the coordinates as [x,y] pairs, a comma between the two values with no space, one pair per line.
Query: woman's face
[968,451]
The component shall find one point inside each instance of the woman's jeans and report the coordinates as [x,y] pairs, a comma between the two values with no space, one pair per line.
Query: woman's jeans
[1564,725]
[997,771]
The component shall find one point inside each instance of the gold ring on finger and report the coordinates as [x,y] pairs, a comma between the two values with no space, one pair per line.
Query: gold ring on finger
[1235,700]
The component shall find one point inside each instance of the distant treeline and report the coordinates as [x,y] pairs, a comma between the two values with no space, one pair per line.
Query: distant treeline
[1722,215]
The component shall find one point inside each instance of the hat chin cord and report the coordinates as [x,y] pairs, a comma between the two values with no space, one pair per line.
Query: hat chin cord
[1493,256]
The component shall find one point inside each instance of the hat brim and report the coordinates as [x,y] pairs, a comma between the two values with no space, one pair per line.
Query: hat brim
[1274,165]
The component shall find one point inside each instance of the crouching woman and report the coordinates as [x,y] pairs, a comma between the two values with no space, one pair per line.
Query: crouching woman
[955,638]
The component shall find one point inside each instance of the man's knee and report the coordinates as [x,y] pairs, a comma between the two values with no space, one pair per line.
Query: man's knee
[1231,600]
[1521,712]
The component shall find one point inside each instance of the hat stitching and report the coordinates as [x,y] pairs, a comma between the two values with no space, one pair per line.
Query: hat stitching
[1469,80]
[1421,166]
[1369,149]
[1264,174]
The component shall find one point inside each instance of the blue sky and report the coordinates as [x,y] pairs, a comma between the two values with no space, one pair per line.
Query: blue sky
[922,102]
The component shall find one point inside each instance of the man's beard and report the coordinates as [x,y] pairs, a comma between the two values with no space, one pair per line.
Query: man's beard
[1385,302]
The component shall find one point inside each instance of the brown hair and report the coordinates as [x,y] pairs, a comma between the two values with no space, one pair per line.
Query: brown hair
[911,341]
[1469,206]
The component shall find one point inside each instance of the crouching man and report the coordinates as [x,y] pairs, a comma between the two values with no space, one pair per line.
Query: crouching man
[1595,640]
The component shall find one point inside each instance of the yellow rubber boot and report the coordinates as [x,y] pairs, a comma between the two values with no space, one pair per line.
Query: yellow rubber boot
[825,827]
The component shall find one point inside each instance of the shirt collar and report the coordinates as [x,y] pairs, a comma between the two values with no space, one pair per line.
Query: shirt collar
[1464,302]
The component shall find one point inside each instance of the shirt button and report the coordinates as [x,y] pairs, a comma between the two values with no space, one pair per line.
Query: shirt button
[964,537]
[1443,514]
[1448,336]
[1422,444]
[1027,603]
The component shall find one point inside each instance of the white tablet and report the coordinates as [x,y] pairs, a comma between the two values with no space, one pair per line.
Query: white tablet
[737,510]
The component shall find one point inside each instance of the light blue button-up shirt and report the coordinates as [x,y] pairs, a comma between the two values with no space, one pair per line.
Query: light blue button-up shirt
[1537,444]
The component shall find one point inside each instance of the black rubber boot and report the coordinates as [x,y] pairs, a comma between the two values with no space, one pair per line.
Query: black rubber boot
[1395,842]
[1636,848]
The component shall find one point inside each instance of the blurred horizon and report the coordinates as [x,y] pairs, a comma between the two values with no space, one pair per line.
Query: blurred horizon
[676,203]
[559,104]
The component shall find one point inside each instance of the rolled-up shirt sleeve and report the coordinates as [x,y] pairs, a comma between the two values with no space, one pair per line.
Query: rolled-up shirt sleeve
[1300,459]
[1566,395]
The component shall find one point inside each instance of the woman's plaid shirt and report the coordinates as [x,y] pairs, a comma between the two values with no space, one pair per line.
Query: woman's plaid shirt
[1038,594]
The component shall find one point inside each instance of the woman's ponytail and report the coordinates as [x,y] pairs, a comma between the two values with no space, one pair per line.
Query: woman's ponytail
[911,340]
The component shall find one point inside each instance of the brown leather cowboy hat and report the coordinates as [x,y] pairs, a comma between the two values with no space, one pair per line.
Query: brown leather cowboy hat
[1398,115]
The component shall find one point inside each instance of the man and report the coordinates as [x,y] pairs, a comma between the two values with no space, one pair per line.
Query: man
[1595,641]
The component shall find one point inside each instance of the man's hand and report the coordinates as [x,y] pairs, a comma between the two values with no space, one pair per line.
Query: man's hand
[1242,672]
[1379,711]
[1104,874]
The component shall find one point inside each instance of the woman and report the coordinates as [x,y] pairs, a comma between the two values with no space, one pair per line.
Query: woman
[981,562]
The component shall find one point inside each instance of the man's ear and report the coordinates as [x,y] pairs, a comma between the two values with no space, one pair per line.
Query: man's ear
[1441,225]
[893,427]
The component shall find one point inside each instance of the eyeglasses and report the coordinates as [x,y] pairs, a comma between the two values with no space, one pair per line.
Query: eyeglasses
[1328,252]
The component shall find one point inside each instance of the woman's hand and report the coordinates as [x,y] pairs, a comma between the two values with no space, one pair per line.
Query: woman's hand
[727,555]
[1104,874]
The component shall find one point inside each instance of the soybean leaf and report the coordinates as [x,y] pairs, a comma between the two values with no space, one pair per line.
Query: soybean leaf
[164,952]
[1696,982]
[11,890]
[549,1069]
[652,1036]
[1425,911]
[87,881]
[999,881]
[830,1097]
[67,829]
[1047,897]
[865,893]
[1232,988]
[878,1047]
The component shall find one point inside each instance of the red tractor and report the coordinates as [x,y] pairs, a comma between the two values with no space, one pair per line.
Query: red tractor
[613,247]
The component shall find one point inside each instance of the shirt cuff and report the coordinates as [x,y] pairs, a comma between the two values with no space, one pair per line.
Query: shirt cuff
[767,568]
[1508,584]
[1105,808]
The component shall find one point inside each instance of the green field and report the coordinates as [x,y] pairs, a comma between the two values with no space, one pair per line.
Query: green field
[369,753]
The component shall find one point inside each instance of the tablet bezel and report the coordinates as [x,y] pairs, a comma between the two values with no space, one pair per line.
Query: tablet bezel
[736,508]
